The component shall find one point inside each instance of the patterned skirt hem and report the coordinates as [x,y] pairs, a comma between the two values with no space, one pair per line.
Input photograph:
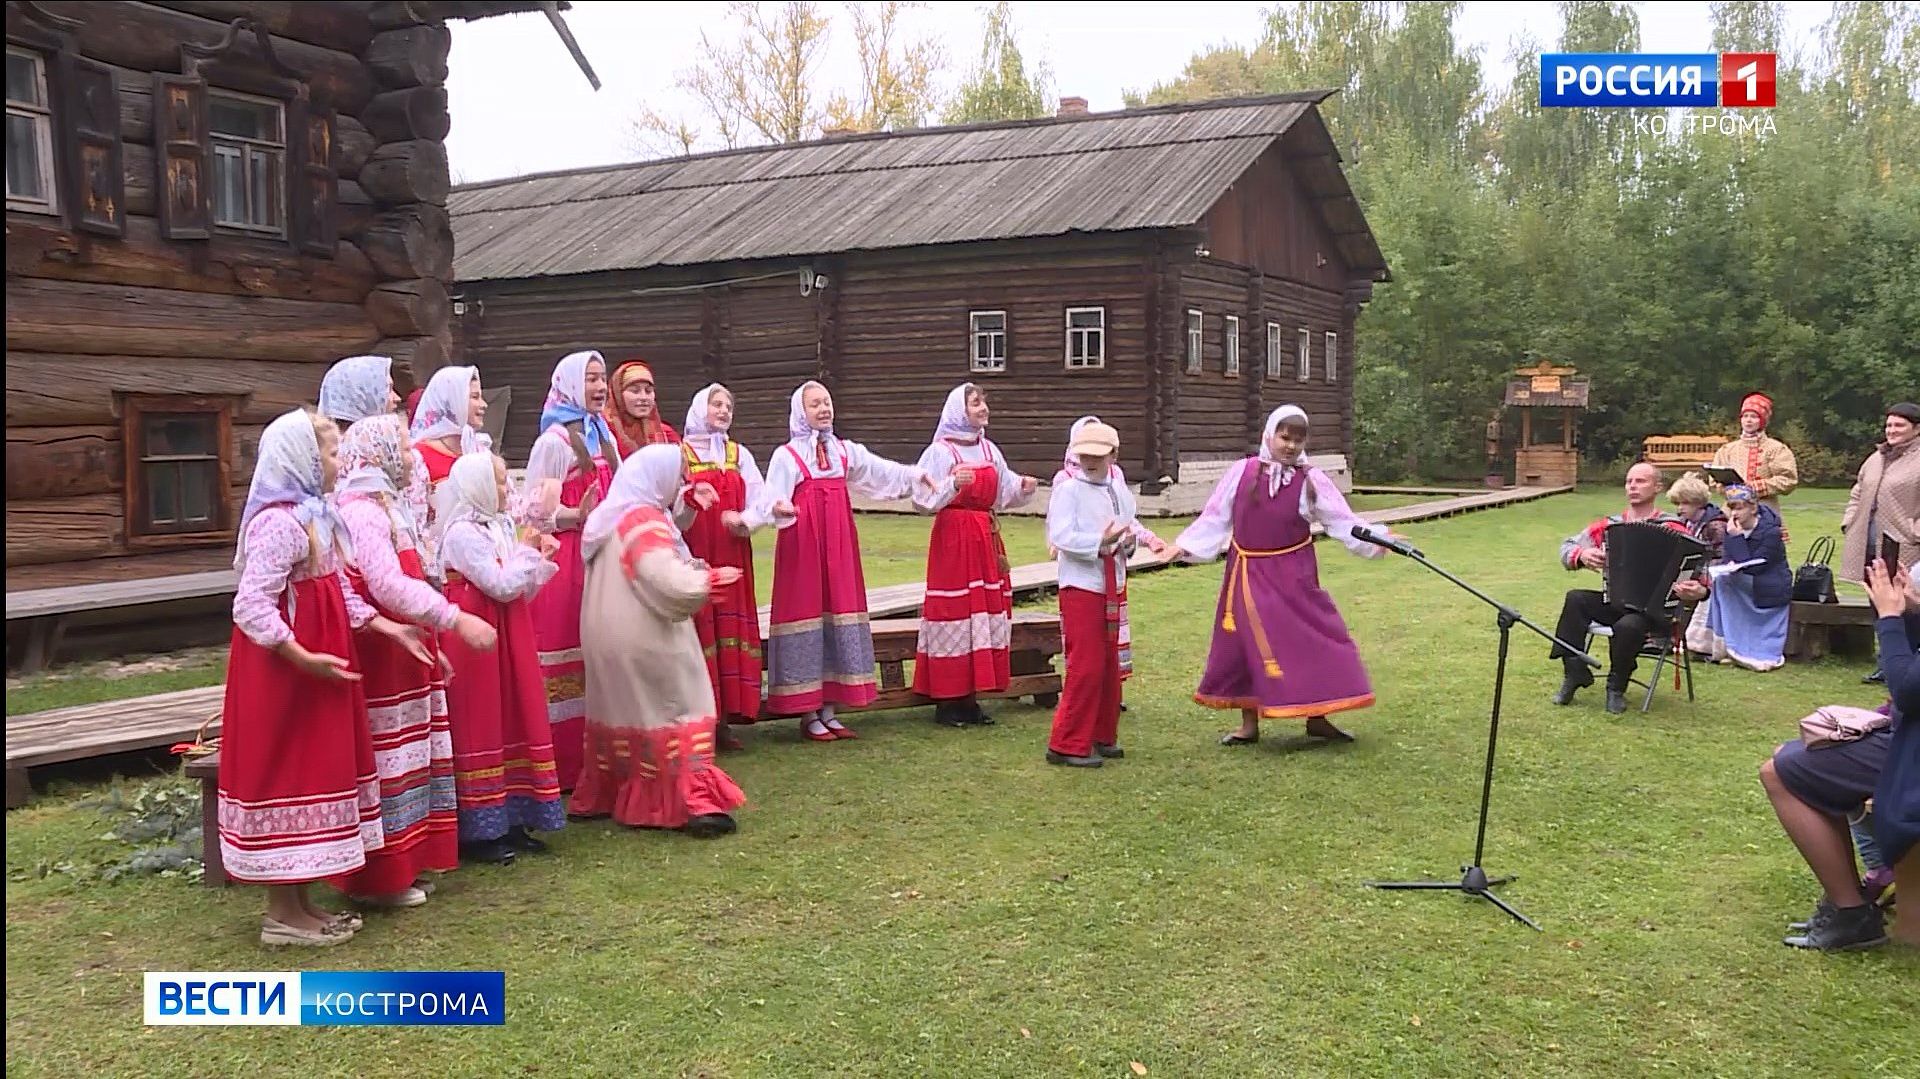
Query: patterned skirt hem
[1290,711]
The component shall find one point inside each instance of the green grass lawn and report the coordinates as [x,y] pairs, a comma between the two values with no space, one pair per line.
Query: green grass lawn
[935,902]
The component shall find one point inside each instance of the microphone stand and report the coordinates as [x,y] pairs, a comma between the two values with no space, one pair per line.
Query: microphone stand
[1473,879]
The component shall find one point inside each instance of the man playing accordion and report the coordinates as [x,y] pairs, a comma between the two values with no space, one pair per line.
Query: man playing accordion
[1587,550]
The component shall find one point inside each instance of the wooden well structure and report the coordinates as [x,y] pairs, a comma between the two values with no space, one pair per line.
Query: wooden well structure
[1549,399]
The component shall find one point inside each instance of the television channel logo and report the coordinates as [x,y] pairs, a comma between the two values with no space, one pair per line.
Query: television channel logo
[1735,80]
[325,998]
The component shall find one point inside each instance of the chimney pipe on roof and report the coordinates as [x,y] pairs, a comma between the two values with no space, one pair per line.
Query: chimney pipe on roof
[1072,106]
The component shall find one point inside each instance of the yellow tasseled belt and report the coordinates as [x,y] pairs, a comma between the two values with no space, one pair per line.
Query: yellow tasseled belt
[1237,589]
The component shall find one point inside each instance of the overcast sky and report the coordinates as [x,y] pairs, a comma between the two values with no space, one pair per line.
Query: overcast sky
[520,105]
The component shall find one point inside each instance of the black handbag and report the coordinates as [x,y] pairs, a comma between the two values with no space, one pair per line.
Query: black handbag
[1813,581]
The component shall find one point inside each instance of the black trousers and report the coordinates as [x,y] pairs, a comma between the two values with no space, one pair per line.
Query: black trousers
[1630,633]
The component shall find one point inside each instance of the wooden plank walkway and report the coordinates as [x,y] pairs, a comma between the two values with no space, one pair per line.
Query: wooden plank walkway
[97,730]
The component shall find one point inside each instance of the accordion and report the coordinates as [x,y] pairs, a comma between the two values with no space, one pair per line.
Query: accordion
[1644,560]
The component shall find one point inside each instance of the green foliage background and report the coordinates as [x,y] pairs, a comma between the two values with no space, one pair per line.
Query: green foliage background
[1681,271]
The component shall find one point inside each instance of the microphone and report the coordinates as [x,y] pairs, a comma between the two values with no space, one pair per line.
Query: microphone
[1399,547]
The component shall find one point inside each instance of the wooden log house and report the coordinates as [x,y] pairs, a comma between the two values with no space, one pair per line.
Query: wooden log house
[207,204]
[1178,270]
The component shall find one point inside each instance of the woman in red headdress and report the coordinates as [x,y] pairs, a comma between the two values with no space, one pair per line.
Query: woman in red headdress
[1763,461]
[634,412]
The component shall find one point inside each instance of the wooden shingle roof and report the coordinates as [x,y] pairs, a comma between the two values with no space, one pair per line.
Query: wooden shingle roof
[1150,168]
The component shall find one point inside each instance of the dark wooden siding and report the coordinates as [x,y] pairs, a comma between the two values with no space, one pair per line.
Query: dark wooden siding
[1265,221]
[890,334]
[904,344]
[1269,259]
[251,321]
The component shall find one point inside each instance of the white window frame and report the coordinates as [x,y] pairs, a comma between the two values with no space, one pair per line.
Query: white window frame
[1196,339]
[1306,354]
[279,189]
[42,116]
[1230,347]
[1333,356]
[1086,362]
[1276,349]
[986,364]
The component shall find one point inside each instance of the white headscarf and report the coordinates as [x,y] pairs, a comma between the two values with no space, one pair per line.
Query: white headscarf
[700,434]
[376,460]
[955,424]
[355,388]
[797,426]
[289,471]
[650,476]
[470,494]
[1280,473]
[444,407]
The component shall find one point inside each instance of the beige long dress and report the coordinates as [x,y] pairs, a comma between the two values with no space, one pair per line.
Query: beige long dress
[650,726]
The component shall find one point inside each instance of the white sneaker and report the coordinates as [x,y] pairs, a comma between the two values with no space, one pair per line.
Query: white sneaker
[411,897]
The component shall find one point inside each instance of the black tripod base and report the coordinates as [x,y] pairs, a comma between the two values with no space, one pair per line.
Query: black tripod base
[1473,881]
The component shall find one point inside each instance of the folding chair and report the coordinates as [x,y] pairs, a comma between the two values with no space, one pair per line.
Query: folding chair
[1662,648]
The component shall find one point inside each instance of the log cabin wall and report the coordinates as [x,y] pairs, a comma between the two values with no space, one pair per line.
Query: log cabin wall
[891,334]
[906,341]
[1270,260]
[116,302]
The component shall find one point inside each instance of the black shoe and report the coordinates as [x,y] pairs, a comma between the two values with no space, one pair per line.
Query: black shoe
[950,714]
[1123,706]
[1877,678]
[976,715]
[1112,753]
[522,840]
[1850,929]
[491,852]
[1571,684]
[711,826]
[1073,762]
[1822,914]
[1616,701]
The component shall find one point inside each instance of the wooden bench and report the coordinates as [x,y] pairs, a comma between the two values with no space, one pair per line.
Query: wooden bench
[47,612]
[1681,451]
[99,730]
[1034,644]
[1819,629]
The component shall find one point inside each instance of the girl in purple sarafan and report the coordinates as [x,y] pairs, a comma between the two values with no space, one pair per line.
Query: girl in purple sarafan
[1280,649]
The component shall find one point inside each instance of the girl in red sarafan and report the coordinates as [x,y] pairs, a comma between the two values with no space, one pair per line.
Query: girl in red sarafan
[720,536]
[820,650]
[299,794]
[967,617]
[502,744]
[405,690]
[567,474]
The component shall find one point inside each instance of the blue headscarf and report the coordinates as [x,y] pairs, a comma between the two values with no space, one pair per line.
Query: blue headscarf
[567,401]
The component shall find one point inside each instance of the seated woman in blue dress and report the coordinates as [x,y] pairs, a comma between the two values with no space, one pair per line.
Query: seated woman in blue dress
[1747,611]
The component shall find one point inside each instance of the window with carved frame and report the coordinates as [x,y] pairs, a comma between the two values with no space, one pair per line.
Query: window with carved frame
[178,453]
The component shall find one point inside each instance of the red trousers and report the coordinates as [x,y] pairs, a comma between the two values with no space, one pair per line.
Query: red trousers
[1089,710]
